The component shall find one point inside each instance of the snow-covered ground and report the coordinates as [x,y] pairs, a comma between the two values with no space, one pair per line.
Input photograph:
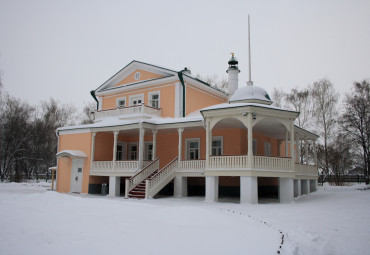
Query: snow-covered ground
[333,220]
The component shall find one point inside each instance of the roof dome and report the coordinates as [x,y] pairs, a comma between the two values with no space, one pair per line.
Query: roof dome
[250,94]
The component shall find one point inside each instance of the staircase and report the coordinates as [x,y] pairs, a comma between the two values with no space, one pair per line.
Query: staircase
[139,190]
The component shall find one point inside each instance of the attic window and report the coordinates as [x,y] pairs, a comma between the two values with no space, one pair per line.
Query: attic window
[137,75]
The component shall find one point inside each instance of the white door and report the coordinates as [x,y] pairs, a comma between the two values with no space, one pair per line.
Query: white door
[76,175]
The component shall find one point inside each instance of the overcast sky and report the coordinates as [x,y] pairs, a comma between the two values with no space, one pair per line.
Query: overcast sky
[64,49]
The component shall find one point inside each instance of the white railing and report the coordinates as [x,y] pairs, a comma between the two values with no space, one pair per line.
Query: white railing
[114,166]
[141,176]
[227,162]
[308,170]
[140,109]
[195,165]
[163,176]
[272,163]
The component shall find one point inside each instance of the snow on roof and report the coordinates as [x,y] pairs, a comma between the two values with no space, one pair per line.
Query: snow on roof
[71,153]
[250,92]
[235,105]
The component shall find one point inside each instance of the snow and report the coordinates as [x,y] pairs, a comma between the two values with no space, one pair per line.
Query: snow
[73,153]
[250,92]
[333,220]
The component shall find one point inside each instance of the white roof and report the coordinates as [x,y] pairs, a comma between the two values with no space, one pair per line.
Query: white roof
[250,93]
[234,105]
[71,153]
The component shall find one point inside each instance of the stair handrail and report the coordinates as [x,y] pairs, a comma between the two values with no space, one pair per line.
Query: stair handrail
[161,174]
[135,180]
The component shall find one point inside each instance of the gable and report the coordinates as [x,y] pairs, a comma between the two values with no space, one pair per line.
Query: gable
[127,75]
[138,75]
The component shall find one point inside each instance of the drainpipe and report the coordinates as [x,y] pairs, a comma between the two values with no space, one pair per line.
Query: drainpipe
[92,93]
[183,91]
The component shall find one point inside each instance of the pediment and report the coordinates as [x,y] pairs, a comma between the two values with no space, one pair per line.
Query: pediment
[136,72]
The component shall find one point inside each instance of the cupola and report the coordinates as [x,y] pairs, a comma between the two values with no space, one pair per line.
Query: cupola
[233,72]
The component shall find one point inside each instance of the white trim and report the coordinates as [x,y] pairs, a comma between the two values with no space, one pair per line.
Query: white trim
[187,140]
[74,131]
[138,90]
[216,138]
[100,100]
[136,97]
[178,100]
[119,99]
[157,92]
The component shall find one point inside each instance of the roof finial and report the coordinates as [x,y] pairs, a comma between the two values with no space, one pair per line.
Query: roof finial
[250,82]
[232,54]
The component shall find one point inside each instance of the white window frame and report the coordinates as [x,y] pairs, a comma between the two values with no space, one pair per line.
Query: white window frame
[218,138]
[119,99]
[187,147]
[150,98]
[137,76]
[136,97]
[129,150]
[267,149]
[146,151]
[255,146]
[124,150]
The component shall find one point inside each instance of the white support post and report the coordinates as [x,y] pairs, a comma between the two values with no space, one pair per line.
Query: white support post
[248,190]
[115,135]
[92,148]
[299,188]
[286,189]
[292,142]
[304,187]
[180,186]
[250,140]
[314,152]
[114,186]
[286,143]
[211,188]
[208,141]
[306,149]
[298,149]
[154,152]
[141,146]
[180,130]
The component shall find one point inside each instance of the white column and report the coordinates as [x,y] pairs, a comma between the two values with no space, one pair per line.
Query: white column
[298,151]
[250,140]
[180,186]
[211,188]
[141,146]
[92,148]
[299,188]
[115,134]
[180,130]
[208,135]
[292,142]
[154,152]
[114,186]
[286,189]
[314,152]
[286,143]
[248,190]
[306,149]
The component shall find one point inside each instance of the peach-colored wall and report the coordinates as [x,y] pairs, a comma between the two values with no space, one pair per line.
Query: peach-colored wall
[103,146]
[144,75]
[80,142]
[197,99]
[167,98]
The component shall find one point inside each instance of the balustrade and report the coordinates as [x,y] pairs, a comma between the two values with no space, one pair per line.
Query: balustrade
[226,162]
[140,109]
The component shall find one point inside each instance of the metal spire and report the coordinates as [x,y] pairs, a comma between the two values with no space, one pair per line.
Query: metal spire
[250,82]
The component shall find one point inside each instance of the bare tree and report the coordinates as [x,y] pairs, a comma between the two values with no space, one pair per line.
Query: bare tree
[86,116]
[214,81]
[325,100]
[356,120]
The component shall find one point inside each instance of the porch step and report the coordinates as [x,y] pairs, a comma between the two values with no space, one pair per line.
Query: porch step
[139,190]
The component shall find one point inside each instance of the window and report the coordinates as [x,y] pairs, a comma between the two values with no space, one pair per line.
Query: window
[154,99]
[133,151]
[137,75]
[254,146]
[217,146]
[148,151]
[119,154]
[192,149]
[267,149]
[121,102]
[136,99]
